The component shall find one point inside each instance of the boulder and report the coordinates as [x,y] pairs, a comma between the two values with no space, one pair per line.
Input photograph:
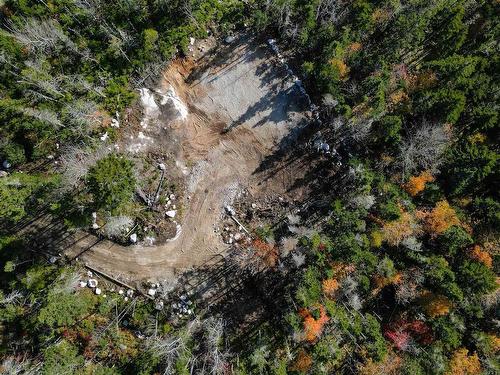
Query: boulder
[171,213]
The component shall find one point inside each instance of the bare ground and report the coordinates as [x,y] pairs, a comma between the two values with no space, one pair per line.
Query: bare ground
[240,90]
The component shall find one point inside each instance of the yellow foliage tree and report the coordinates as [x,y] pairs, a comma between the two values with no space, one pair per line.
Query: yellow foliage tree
[463,364]
[417,184]
[435,304]
[341,67]
[396,231]
[440,218]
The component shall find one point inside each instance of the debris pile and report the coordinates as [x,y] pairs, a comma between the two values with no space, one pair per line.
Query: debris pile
[184,307]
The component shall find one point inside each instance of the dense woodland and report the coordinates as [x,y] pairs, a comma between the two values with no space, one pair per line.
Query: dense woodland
[400,272]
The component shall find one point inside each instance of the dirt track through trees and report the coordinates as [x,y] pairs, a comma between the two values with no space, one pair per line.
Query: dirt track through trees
[239,90]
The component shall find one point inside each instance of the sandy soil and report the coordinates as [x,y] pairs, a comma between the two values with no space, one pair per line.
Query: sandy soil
[240,91]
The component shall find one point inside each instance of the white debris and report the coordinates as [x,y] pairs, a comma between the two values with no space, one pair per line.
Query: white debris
[175,106]
[90,274]
[177,233]
[133,237]
[92,283]
[97,291]
[120,291]
[149,241]
[254,206]
[148,103]
[142,136]
[191,40]
[82,284]
[125,299]
[151,292]
[159,305]
[172,196]
[115,123]
[162,167]
[130,293]
[104,136]
[95,226]
[171,213]
[237,236]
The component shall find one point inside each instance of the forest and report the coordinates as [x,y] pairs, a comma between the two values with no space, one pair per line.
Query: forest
[399,261]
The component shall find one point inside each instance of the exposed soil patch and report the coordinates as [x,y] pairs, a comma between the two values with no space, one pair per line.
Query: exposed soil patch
[242,111]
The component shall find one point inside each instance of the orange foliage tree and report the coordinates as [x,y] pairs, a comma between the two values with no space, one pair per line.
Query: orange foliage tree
[481,256]
[440,218]
[266,252]
[330,286]
[391,365]
[416,184]
[313,327]
[463,364]
[435,304]
[303,362]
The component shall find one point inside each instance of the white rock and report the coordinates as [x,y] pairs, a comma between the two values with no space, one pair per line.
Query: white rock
[115,123]
[90,274]
[161,166]
[191,40]
[92,283]
[82,284]
[152,292]
[104,136]
[94,215]
[95,226]
[133,237]
[125,299]
[130,293]
[237,236]
[171,213]
[120,291]
[254,206]
[172,197]
[97,291]
[3,174]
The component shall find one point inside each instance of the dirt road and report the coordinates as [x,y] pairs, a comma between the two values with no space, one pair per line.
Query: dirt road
[239,90]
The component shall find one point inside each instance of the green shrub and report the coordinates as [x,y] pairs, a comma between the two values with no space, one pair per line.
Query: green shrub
[112,182]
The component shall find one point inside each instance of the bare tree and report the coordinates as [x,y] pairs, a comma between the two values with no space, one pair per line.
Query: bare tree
[423,148]
[215,355]
[44,115]
[170,348]
[43,36]
[81,115]
[41,82]
[117,225]
[76,162]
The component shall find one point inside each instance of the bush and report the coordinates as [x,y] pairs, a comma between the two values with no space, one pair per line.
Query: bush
[112,182]
[476,277]
[454,239]
[13,153]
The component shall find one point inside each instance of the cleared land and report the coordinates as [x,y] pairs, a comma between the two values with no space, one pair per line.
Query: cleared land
[242,108]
